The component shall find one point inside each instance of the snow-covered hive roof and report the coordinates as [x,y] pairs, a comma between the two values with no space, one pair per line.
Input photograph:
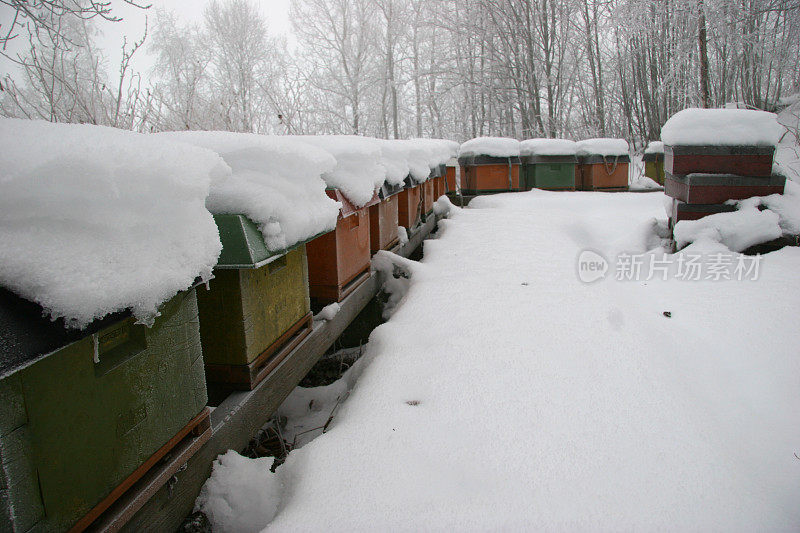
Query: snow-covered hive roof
[547,147]
[490,146]
[96,220]
[276,182]
[654,147]
[721,127]
[602,146]
[358,172]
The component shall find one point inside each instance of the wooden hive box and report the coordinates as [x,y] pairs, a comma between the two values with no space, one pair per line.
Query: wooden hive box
[684,211]
[596,172]
[428,197]
[486,174]
[86,414]
[654,167]
[383,219]
[409,201]
[550,172]
[256,309]
[719,188]
[450,178]
[338,261]
[753,161]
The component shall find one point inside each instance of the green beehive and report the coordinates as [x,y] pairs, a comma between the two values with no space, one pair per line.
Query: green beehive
[549,172]
[257,306]
[81,412]
[653,160]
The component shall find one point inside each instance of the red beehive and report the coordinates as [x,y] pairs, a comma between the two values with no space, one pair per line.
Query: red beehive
[753,161]
[409,208]
[683,211]
[338,261]
[383,219]
[719,188]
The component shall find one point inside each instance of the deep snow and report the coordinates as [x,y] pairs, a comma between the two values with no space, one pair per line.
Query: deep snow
[504,393]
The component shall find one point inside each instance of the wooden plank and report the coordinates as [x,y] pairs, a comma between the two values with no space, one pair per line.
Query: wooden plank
[239,417]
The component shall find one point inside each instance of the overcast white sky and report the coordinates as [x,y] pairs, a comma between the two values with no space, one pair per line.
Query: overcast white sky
[275,12]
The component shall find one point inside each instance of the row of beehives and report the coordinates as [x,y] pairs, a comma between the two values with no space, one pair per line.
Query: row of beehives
[551,164]
[83,423]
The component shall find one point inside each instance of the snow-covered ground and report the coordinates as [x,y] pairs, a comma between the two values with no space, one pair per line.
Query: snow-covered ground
[506,394]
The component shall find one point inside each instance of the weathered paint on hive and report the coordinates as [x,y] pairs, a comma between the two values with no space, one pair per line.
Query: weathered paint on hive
[89,426]
[247,309]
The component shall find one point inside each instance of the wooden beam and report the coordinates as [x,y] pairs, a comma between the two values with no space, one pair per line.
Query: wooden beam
[239,417]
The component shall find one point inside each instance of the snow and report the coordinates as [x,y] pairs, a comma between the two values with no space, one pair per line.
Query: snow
[402,235]
[721,127]
[490,146]
[328,312]
[737,230]
[95,220]
[643,183]
[654,147]
[547,147]
[602,146]
[276,182]
[505,394]
[242,495]
[358,172]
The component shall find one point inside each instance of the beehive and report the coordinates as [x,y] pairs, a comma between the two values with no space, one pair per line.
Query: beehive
[596,172]
[487,174]
[257,307]
[339,261]
[749,161]
[86,414]
[409,209]
[719,188]
[383,219]
[551,172]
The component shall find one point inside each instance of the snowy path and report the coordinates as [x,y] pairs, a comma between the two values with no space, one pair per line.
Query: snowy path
[547,403]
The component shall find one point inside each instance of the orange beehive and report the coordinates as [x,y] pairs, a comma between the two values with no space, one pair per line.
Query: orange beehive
[601,173]
[409,208]
[338,261]
[450,178]
[383,219]
[484,174]
[428,196]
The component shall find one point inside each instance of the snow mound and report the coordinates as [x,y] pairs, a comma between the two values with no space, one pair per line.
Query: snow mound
[442,207]
[491,146]
[738,230]
[328,312]
[275,182]
[242,495]
[654,147]
[786,205]
[418,157]
[603,146]
[359,170]
[394,158]
[722,127]
[643,183]
[95,220]
[547,147]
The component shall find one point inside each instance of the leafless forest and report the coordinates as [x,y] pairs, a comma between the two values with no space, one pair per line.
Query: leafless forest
[409,68]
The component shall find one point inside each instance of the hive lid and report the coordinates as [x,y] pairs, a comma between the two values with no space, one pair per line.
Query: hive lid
[243,244]
[387,190]
[27,335]
[348,208]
